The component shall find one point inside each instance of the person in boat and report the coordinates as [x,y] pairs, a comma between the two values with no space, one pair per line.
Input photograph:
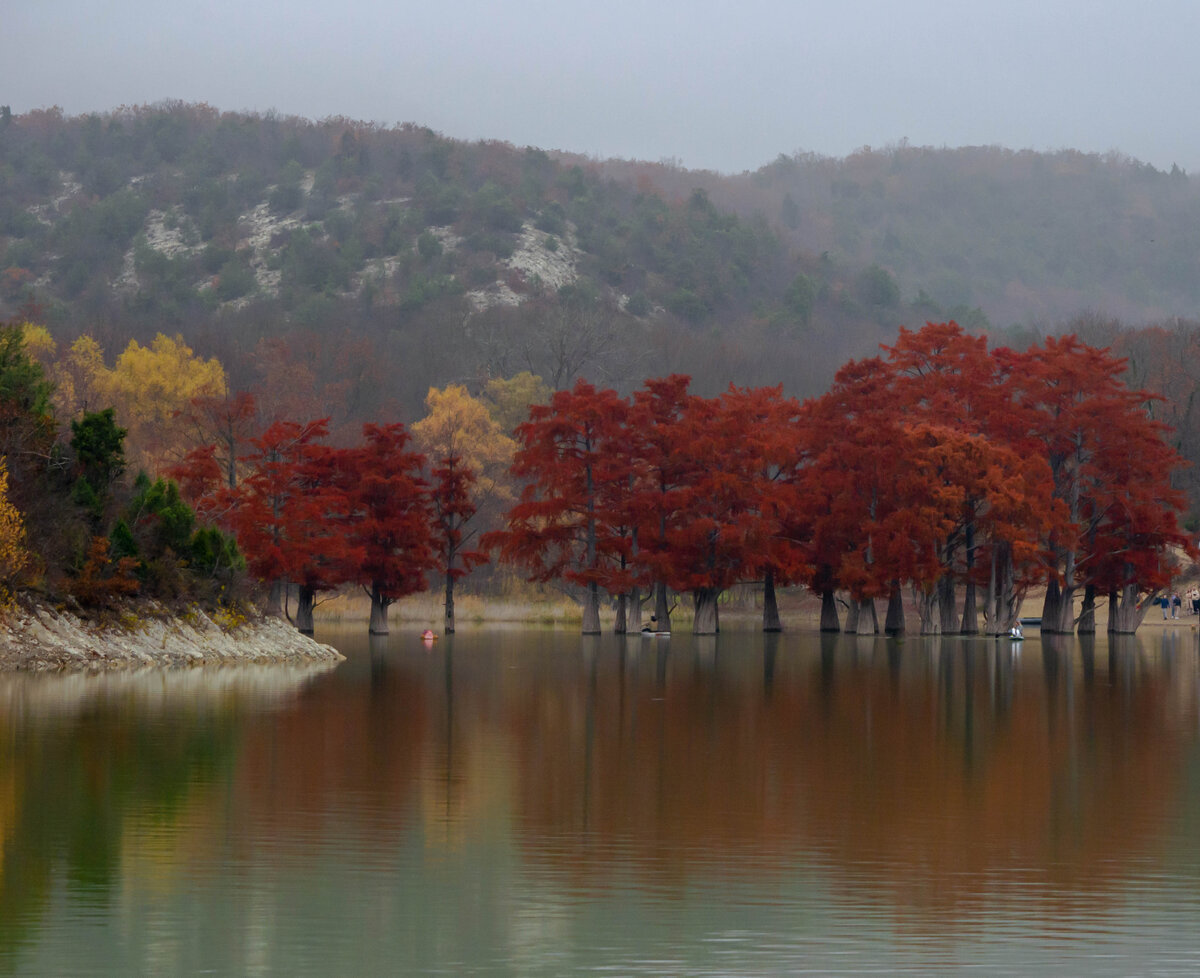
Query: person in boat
[1015,631]
[651,625]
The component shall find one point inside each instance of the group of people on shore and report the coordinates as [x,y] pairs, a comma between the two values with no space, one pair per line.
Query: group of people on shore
[1172,603]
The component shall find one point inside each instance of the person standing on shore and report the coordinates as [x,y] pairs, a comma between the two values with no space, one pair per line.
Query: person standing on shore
[1176,602]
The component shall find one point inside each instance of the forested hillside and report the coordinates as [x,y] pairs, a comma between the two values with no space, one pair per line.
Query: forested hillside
[1029,238]
[367,264]
[430,260]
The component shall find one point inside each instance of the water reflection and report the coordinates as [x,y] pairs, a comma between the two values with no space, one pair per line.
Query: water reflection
[536,788]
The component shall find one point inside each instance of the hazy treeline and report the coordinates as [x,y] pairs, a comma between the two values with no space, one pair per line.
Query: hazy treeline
[1028,238]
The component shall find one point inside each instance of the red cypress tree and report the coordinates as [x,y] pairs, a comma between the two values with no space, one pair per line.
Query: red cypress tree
[286,509]
[570,449]
[390,529]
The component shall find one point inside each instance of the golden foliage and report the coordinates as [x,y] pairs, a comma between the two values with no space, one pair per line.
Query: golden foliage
[458,424]
[509,400]
[38,344]
[148,387]
[14,557]
[80,379]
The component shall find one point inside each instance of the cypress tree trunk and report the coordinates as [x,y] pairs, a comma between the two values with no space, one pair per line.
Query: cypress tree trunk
[1000,613]
[970,618]
[621,625]
[448,623]
[706,621]
[379,612]
[1052,607]
[868,623]
[1124,613]
[829,612]
[1063,620]
[634,621]
[929,605]
[851,626]
[1087,615]
[771,621]
[893,624]
[945,598]
[591,609]
[662,611]
[305,599]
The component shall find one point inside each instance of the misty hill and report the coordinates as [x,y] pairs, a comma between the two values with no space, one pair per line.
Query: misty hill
[437,260]
[1031,239]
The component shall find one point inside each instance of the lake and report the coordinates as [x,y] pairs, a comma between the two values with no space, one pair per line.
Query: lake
[529,802]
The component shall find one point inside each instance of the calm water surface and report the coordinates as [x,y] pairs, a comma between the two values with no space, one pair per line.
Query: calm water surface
[533,803]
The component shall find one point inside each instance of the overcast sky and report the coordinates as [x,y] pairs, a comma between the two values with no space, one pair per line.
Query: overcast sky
[716,85]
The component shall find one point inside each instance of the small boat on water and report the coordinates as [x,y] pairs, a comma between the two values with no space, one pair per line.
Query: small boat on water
[646,633]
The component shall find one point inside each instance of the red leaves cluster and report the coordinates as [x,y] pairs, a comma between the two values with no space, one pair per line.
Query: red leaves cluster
[321,516]
[916,467]
[665,486]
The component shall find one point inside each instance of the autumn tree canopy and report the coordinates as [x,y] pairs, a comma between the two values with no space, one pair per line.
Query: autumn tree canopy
[938,467]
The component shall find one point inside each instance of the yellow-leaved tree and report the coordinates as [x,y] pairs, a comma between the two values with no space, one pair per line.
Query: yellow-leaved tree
[508,399]
[468,455]
[459,424]
[149,386]
[81,380]
[14,557]
[39,345]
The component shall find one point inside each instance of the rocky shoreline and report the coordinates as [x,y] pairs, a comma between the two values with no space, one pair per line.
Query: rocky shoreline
[37,637]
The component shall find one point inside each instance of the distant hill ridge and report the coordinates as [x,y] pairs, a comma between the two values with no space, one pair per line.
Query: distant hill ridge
[460,260]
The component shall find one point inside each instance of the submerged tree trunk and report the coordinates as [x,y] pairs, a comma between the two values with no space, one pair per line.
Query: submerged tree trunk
[1087,614]
[305,599]
[945,599]
[1003,604]
[379,612]
[662,610]
[634,619]
[448,611]
[851,626]
[868,623]
[893,623]
[1125,612]
[771,622]
[929,603]
[621,625]
[706,621]
[591,609]
[1058,611]
[1051,606]
[829,612]
[970,618]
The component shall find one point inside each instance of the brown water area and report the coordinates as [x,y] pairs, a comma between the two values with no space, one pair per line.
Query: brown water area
[533,802]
